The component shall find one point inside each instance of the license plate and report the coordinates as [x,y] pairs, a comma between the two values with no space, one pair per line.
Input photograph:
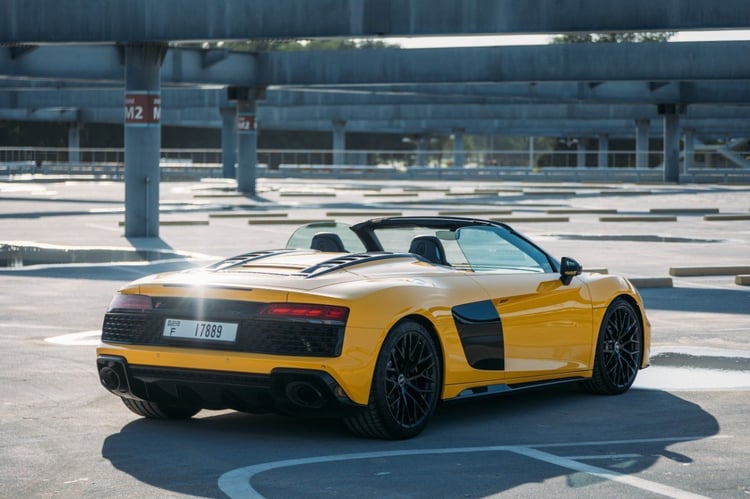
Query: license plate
[200,330]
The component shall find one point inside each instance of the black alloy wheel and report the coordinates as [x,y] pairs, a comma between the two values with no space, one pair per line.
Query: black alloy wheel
[405,388]
[619,350]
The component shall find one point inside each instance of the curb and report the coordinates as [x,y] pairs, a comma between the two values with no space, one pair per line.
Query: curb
[717,218]
[651,282]
[283,221]
[512,220]
[639,218]
[708,271]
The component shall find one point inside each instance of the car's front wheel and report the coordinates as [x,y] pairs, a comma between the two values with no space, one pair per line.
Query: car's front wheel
[619,350]
[158,410]
[405,387]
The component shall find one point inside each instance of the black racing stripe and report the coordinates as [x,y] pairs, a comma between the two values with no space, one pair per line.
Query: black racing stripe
[481,332]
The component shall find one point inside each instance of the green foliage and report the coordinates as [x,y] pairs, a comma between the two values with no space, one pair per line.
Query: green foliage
[625,37]
[272,45]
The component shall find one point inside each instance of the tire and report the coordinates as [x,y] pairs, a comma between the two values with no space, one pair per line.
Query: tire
[156,410]
[405,388]
[619,350]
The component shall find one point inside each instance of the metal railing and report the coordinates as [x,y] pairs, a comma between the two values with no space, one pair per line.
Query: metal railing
[197,163]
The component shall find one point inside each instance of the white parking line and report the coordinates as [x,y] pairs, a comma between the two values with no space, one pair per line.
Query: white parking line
[236,483]
[633,481]
[82,339]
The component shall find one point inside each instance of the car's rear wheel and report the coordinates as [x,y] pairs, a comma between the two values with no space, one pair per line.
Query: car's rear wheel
[405,387]
[158,410]
[619,350]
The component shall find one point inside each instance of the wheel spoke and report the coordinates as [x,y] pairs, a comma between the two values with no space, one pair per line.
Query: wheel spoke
[410,379]
[621,347]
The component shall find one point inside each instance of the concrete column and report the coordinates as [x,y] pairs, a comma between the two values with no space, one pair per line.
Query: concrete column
[581,153]
[228,141]
[142,138]
[531,153]
[671,145]
[339,142]
[247,135]
[421,151]
[689,149]
[247,146]
[641,143]
[603,155]
[74,143]
[458,148]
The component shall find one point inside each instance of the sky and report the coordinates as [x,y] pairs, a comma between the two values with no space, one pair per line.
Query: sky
[494,40]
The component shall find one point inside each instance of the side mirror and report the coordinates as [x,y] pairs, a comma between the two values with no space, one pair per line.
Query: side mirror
[569,268]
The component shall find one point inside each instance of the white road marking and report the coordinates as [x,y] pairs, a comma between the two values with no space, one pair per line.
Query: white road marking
[85,338]
[604,456]
[633,481]
[236,483]
[18,325]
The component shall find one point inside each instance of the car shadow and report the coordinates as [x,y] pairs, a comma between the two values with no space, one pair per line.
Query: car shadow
[188,457]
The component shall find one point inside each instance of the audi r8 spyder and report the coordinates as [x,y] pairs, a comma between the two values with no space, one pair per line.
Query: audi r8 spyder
[375,323]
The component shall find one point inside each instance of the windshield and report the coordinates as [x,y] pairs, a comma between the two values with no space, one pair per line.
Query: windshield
[302,238]
[476,248]
[494,248]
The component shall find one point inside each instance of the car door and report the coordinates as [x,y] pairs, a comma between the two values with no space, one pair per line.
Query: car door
[546,324]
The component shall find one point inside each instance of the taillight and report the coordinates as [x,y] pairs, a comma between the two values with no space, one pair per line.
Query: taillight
[130,302]
[305,311]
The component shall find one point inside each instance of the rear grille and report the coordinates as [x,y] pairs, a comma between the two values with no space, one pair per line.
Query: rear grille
[254,335]
[124,328]
[292,338]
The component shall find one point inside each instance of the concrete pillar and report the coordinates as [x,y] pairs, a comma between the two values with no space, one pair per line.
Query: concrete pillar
[531,153]
[458,148]
[581,153]
[603,155]
[641,143]
[671,145]
[689,149]
[247,135]
[228,141]
[421,151]
[247,146]
[74,143]
[339,142]
[142,138]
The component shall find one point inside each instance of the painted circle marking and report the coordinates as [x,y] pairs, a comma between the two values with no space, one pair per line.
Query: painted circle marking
[236,482]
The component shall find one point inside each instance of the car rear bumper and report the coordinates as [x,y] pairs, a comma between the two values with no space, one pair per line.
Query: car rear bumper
[290,391]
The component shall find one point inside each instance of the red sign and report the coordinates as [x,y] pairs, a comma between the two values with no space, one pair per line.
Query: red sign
[142,109]
[246,123]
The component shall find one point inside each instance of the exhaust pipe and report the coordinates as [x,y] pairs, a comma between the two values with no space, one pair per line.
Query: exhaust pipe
[113,374]
[305,394]
[110,379]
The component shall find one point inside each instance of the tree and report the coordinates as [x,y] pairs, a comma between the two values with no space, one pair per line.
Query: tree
[271,45]
[624,37]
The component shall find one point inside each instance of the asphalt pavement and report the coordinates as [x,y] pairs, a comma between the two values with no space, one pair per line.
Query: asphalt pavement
[682,430]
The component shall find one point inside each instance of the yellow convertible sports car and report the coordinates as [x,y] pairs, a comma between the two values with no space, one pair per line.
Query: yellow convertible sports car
[374,323]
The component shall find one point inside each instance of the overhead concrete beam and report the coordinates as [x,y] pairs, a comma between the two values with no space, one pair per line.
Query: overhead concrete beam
[493,111]
[642,92]
[188,101]
[210,118]
[639,92]
[93,21]
[547,63]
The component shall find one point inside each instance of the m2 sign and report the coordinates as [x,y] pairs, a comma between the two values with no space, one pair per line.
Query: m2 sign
[142,109]
[246,123]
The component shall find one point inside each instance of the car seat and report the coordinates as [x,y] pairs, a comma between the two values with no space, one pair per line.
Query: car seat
[430,248]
